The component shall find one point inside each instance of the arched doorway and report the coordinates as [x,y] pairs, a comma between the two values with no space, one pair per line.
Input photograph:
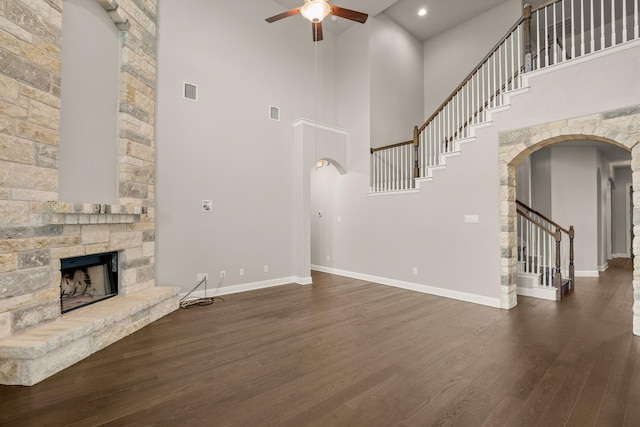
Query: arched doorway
[615,127]
[313,141]
[324,218]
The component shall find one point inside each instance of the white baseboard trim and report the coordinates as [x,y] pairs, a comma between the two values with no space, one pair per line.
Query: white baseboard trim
[537,292]
[620,256]
[234,289]
[603,267]
[303,280]
[425,289]
[587,273]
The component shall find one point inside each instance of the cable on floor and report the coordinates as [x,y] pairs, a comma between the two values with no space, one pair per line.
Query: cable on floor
[186,302]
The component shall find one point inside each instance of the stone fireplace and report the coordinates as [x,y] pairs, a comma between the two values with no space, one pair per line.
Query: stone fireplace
[37,231]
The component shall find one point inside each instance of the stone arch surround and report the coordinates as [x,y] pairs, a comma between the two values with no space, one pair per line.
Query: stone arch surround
[620,127]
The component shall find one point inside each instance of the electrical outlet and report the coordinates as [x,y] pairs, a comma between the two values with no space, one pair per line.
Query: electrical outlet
[266,268]
[415,271]
[242,271]
[223,274]
[328,257]
[199,277]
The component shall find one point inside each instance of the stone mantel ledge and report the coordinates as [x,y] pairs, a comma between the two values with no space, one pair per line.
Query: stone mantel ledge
[90,213]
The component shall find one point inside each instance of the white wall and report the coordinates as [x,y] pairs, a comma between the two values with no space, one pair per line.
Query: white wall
[523,181]
[224,147]
[397,85]
[541,178]
[452,55]
[87,156]
[604,210]
[323,185]
[621,244]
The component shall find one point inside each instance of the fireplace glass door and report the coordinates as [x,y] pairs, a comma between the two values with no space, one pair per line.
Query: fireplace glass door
[87,280]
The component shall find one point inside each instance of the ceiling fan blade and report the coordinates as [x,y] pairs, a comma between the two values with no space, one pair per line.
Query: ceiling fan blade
[317,31]
[348,14]
[283,15]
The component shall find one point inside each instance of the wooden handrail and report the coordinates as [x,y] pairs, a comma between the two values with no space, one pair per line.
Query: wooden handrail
[386,147]
[542,227]
[550,221]
[545,4]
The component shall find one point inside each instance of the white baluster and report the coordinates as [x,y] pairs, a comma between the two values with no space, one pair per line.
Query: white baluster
[503,67]
[518,57]
[529,245]
[602,36]
[376,171]
[592,28]
[554,43]
[513,76]
[546,37]
[474,98]
[544,257]
[636,27]
[563,57]
[573,29]
[624,21]
[455,102]
[496,77]
[538,52]
[538,249]
[613,22]
[372,178]
[396,168]
[403,168]
[429,147]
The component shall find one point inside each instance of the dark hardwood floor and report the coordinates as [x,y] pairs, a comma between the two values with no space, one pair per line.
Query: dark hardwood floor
[349,353]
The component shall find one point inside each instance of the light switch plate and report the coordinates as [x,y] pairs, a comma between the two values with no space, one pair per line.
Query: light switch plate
[471,219]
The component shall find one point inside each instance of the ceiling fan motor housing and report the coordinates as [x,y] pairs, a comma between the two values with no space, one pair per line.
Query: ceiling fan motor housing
[315,10]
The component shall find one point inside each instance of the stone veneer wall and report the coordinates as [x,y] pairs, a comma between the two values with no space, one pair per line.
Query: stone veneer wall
[620,127]
[37,230]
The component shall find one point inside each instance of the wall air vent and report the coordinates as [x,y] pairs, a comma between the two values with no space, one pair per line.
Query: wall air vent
[190,91]
[274,113]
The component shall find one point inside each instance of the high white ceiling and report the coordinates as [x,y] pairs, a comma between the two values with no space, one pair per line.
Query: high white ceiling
[441,14]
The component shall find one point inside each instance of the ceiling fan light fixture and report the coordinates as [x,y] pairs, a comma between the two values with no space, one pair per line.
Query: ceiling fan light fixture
[315,10]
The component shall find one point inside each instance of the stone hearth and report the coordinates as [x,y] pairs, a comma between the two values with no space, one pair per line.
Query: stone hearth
[32,356]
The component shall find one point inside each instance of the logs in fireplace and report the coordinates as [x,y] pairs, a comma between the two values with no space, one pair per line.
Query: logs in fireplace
[88,279]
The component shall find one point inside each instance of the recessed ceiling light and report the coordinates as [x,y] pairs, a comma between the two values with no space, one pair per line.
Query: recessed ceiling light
[422,12]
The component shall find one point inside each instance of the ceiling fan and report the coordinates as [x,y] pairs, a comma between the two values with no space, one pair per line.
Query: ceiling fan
[316,10]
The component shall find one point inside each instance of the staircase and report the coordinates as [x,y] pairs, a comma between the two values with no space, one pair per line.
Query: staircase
[545,267]
[545,36]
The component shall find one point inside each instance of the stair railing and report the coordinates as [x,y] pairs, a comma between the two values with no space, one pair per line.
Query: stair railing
[542,250]
[569,29]
[552,33]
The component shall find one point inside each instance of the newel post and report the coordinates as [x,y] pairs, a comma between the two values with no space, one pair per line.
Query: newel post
[557,276]
[572,272]
[527,38]
[416,147]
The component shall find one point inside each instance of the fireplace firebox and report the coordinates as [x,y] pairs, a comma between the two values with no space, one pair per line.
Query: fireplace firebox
[88,279]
